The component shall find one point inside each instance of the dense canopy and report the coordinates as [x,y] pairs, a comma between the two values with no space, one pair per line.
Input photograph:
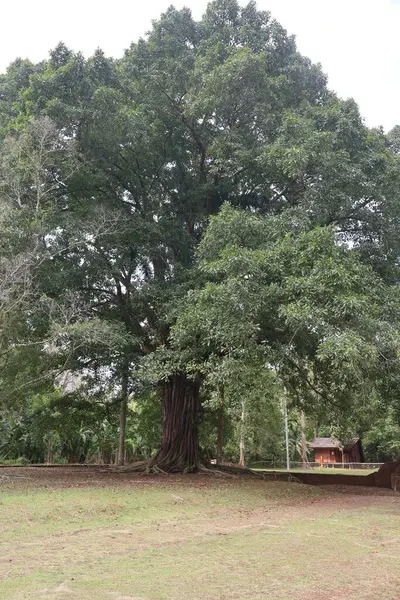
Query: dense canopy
[199,221]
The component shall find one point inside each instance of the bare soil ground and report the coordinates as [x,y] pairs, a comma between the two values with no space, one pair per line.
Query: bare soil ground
[85,533]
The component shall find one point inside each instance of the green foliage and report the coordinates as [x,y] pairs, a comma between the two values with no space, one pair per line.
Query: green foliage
[144,426]
[109,173]
[56,428]
[382,439]
[317,312]
[69,428]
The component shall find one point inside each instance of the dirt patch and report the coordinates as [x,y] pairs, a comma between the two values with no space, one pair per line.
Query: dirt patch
[88,476]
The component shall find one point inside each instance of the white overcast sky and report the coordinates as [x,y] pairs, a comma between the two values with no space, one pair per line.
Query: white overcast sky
[356,41]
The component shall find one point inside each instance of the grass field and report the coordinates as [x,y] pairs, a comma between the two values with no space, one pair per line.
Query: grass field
[325,471]
[83,534]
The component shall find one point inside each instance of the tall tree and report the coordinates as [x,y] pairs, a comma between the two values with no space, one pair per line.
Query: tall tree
[196,114]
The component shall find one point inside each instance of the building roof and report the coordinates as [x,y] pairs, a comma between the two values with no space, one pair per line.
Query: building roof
[333,443]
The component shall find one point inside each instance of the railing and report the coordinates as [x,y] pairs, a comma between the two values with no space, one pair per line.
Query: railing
[352,465]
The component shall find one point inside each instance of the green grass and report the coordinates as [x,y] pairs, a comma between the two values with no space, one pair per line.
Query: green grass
[10,462]
[71,536]
[326,471]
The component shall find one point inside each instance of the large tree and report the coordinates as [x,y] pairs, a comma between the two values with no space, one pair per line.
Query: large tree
[194,115]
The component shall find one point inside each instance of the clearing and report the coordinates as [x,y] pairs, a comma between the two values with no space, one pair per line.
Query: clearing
[324,471]
[88,534]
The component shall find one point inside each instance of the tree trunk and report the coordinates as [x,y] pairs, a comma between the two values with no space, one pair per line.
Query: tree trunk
[220,436]
[241,441]
[49,457]
[180,450]
[304,449]
[123,413]
[220,429]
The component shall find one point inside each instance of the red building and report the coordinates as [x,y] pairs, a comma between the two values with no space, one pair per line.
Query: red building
[329,450]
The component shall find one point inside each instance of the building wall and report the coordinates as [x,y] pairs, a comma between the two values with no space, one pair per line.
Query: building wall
[355,453]
[334,455]
[338,479]
[341,458]
[324,455]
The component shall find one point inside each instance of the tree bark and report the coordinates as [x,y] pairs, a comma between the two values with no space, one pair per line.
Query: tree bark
[220,436]
[180,450]
[123,413]
[220,429]
[242,448]
[304,449]
[49,457]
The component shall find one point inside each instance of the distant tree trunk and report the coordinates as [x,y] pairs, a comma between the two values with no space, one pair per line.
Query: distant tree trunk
[49,457]
[304,449]
[123,413]
[180,450]
[220,428]
[241,440]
